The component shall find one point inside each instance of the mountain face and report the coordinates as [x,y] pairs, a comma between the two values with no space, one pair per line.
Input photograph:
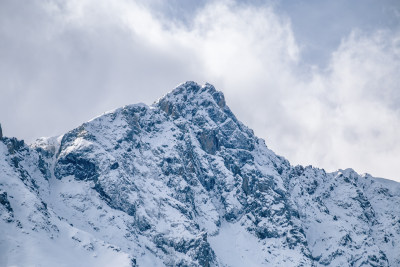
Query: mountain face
[184,183]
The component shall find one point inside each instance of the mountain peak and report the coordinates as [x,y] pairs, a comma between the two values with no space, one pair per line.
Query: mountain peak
[193,88]
[184,183]
[190,96]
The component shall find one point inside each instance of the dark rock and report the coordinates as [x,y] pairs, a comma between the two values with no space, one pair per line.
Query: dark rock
[208,141]
[114,166]
[4,201]
[14,145]
[77,165]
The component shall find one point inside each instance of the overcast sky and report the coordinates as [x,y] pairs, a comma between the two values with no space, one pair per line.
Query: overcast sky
[318,80]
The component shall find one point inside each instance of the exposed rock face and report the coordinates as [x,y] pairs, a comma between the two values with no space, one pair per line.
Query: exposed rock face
[1,132]
[184,183]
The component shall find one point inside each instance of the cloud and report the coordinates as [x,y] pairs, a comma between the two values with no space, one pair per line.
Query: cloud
[65,62]
[349,114]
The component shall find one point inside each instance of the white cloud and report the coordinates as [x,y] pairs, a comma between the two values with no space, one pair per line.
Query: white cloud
[79,59]
[357,100]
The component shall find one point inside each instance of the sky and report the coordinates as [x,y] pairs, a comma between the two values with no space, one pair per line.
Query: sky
[318,80]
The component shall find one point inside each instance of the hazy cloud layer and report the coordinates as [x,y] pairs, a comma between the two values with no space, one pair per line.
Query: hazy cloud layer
[63,63]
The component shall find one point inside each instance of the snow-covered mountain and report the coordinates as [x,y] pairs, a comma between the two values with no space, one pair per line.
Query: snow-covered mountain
[184,183]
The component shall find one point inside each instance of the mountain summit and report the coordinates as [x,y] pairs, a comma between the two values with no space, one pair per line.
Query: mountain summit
[184,183]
